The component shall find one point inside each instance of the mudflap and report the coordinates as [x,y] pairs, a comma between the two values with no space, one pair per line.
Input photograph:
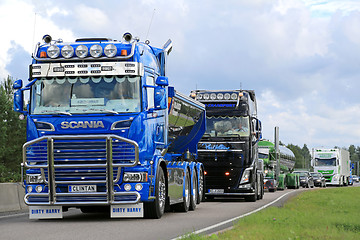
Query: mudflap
[127,210]
[45,212]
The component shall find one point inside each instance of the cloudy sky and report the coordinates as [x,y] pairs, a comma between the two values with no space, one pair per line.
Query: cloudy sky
[302,57]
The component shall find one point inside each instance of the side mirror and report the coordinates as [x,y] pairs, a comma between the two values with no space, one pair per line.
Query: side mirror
[160,98]
[18,84]
[162,81]
[19,101]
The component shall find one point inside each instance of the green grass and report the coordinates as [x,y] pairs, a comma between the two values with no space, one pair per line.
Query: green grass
[332,213]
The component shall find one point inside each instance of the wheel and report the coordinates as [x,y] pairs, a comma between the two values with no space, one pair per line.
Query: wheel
[253,197]
[184,206]
[156,208]
[258,190]
[201,195]
[194,191]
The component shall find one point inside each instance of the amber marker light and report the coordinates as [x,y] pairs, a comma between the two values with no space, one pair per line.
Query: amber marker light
[227,174]
[42,54]
[123,52]
[205,172]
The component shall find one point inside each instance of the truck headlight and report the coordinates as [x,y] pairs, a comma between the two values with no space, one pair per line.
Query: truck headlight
[135,177]
[81,51]
[96,51]
[246,176]
[67,51]
[335,178]
[110,50]
[53,51]
[34,178]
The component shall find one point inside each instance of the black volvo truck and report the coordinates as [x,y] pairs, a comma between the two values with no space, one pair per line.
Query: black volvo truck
[229,147]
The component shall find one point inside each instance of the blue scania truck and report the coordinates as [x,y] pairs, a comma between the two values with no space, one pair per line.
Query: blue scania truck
[105,131]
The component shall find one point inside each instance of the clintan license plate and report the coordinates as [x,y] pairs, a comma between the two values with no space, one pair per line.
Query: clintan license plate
[216,190]
[82,188]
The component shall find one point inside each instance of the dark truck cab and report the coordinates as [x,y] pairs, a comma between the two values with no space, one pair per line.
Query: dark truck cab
[229,147]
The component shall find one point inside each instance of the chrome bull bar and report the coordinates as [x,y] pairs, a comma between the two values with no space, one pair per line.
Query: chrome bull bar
[104,198]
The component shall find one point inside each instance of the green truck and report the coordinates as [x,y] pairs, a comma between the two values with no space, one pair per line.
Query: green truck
[285,178]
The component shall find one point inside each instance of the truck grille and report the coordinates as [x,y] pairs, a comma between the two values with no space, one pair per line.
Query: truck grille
[82,159]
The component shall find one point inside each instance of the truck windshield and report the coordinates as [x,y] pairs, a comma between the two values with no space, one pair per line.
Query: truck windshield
[227,126]
[325,162]
[115,94]
[263,155]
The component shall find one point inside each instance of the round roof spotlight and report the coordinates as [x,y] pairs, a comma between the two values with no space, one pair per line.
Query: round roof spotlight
[234,96]
[127,37]
[227,96]
[53,51]
[206,96]
[220,96]
[81,51]
[199,96]
[213,96]
[47,38]
[67,51]
[96,51]
[110,50]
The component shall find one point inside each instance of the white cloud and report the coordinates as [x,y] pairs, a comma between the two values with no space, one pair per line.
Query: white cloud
[26,29]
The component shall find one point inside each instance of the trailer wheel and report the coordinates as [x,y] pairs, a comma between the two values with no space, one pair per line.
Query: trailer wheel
[194,191]
[201,195]
[184,206]
[156,208]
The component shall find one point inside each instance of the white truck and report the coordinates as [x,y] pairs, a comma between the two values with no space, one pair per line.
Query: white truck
[333,163]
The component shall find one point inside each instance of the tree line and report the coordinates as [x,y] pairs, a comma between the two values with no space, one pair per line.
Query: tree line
[303,156]
[12,135]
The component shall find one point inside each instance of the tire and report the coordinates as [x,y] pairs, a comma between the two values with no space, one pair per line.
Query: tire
[156,208]
[258,197]
[253,197]
[185,205]
[201,194]
[194,191]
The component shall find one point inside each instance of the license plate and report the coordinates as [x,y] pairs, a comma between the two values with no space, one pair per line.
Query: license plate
[82,188]
[216,190]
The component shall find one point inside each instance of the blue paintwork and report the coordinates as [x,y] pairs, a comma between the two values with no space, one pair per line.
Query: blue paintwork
[144,128]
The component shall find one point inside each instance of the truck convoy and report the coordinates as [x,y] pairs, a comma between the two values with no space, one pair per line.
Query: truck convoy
[105,131]
[333,163]
[229,147]
[285,178]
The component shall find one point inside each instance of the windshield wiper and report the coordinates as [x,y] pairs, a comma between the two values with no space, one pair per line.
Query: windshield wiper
[108,111]
[63,113]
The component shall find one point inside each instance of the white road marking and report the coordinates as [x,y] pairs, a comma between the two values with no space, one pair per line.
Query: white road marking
[233,219]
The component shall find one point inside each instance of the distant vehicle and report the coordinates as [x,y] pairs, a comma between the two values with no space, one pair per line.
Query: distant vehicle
[351,180]
[306,179]
[287,163]
[270,183]
[319,180]
[333,163]
[355,178]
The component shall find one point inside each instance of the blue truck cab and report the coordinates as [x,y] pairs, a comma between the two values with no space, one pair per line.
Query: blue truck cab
[106,131]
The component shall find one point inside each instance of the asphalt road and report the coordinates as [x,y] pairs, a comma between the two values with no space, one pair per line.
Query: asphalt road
[208,217]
